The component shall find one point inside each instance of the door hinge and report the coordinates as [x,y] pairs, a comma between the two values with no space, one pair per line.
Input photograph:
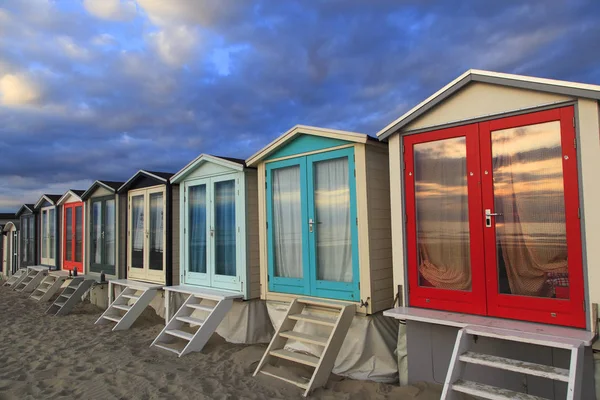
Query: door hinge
[573,121]
[575,142]
[358,285]
[267,224]
[578,212]
[403,148]
[268,278]
[355,173]
[265,185]
[404,165]
[356,221]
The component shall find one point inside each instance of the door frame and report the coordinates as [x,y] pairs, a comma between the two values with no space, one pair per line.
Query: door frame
[188,277]
[97,268]
[71,264]
[45,228]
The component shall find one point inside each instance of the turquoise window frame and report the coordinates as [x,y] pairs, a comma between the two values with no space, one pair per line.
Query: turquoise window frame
[309,284]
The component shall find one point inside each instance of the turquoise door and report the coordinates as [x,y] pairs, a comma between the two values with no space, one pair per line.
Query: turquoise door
[312,229]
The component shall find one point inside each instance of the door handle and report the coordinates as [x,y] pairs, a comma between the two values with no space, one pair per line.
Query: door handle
[488,217]
[310,225]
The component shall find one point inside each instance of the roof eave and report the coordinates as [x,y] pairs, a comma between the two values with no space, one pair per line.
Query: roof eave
[202,158]
[135,176]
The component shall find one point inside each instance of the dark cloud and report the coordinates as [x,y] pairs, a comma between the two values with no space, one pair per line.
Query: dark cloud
[100,99]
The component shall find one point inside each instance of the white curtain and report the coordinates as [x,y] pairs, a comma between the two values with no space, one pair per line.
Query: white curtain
[52,232]
[156,221]
[109,232]
[97,232]
[137,219]
[287,222]
[332,220]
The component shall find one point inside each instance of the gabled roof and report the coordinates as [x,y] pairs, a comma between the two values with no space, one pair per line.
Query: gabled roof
[25,207]
[306,130]
[233,163]
[567,88]
[50,198]
[111,186]
[70,192]
[162,177]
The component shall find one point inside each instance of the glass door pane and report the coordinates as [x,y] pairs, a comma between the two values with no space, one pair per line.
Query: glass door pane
[44,233]
[31,240]
[197,227]
[96,233]
[108,233]
[137,231]
[287,222]
[79,234]
[442,214]
[332,229]
[531,238]
[52,234]
[225,228]
[69,234]
[156,231]
[25,236]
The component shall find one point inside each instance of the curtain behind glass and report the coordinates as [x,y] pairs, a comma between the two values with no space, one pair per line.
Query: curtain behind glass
[69,234]
[25,234]
[52,232]
[96,229]
[197,228]
[137,231]
[109,232]
[44,233]
[156,231]
[332,220]
[287,222]
[225,229]
[30,248]
[79,234]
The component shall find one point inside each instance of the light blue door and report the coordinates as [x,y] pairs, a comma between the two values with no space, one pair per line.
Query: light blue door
[312,231]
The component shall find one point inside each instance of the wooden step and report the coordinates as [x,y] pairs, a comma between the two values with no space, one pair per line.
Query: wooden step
[200,307]
[523,367]
[322,303]
[37,298]
[112,318]
[180,334]
[131,296]
[304,337]
[491,392]
[313,319]
[58,304]
[523,337]
[271,371]
[123,307]
[165,346]
[300,358]
[43,290]
[68,296]
[191,320]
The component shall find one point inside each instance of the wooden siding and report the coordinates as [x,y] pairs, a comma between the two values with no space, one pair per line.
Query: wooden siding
[380,233]
[252,240]
[175,234]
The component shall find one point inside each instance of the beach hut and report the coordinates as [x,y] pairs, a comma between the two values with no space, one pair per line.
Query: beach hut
[28,241]
[218,254]
[152,209]
[325,245]
[72,238]
[10,247]
[495,226]
[48,217]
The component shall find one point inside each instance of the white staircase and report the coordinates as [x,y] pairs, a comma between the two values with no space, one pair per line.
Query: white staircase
[17,277]
[129,304]
[455,384]
[32,279]
[195,321]
[70,296]
[334,315]
[49,286]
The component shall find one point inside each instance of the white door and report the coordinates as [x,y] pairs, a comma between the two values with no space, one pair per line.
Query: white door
[48,242]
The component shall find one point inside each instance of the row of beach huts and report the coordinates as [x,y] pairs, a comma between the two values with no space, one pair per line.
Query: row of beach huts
[460,246]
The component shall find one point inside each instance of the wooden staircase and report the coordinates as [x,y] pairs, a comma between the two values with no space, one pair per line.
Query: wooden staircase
[186,331]
[129,304]
[33,278]
[16,278]
[334,315]
[49,286]
[461,356]
[70,296]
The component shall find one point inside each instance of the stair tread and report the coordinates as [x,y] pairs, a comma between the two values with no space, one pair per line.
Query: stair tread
[271,371]
[130,296]
[123,307]
[314,319]
[164,346]
[36,297]
[523,337]
[67,296]
[305,359]
[490,392]
[59,304]
[200,307]
[305,337]
[112,318]
[191,320]
[180,334]
[508,364]
[323,303]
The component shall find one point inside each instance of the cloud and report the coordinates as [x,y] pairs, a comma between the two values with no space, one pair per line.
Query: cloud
[175,45]
[113,10]
[72,49]
[201,12]
[18,90]
[104,39]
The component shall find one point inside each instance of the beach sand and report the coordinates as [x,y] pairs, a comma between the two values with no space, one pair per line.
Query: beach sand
[48,357]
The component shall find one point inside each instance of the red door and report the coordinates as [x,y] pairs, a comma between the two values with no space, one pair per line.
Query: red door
[493,219]
[73,236]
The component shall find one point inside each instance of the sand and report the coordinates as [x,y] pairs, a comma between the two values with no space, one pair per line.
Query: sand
[48,357]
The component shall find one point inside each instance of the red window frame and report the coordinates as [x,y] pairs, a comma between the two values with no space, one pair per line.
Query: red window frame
[472,302]
[484,299]
[71,264]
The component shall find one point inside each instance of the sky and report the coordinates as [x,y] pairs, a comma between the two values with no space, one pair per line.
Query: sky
[98,89]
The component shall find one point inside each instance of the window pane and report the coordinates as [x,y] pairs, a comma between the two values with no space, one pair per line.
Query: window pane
[332,220]
[69,234]
[287,222]
[156,231]
[197,228]
[137,232]
[79,234]
[109,233]
[44,233]
[25,238]
[96,233]
[225,228]
[531,239]
[441,197]
[52,233]
[31,241]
